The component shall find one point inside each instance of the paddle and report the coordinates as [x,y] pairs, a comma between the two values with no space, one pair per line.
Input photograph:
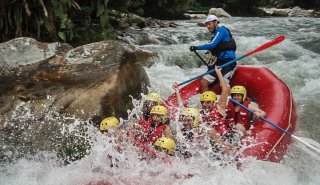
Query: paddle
[261,48]
[278,127]
[205,63]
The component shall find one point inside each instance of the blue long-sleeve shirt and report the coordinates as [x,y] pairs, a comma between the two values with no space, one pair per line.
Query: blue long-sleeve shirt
[220,34]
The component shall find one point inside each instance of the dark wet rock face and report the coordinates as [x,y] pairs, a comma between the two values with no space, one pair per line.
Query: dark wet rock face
[94,79]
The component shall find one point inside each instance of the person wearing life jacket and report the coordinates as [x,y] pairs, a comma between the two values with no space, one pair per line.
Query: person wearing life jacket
[222,46]
[108,123]
[190,123]
[239,118]
[157,127]
[110,126]
[191,135]
[152,99]
[213,114]
[165,144]
[144,116]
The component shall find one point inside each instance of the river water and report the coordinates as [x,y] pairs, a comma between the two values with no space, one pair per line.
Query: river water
[296,60]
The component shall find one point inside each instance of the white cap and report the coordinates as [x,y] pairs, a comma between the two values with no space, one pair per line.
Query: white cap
[211,18]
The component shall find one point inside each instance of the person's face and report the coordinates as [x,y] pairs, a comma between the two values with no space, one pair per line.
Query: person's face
[207,105]
[157,118]
[237,97]
[212,25]
[188,122]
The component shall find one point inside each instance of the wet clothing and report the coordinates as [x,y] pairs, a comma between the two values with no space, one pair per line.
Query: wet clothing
[144,119]
[191,141]
[223,46]
[152,132]
[215,120]
[242,117]
[191,135]
[227,72]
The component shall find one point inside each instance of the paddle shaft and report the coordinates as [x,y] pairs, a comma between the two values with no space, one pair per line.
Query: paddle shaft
[212,70]
[205,63]
[278,127]
[260,48]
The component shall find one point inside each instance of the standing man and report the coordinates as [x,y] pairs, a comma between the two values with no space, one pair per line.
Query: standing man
[222,46]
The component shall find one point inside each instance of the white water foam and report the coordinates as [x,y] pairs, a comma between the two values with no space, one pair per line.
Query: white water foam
[297,66]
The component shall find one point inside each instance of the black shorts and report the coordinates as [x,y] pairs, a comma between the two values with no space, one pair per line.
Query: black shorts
[227,72]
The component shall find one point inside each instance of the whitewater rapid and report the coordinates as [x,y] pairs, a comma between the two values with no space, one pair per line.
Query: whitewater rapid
[296,61]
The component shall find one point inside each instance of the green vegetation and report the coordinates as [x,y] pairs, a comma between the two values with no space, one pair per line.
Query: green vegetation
[198,5]
[80,22]
[75,22]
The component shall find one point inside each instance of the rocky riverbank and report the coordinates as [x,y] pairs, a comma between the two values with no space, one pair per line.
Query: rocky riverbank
[287,12]
[259,11]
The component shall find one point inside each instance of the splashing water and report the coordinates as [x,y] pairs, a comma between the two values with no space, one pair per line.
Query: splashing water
[36,150]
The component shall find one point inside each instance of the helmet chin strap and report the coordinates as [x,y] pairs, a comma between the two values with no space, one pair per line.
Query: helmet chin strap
[163,120]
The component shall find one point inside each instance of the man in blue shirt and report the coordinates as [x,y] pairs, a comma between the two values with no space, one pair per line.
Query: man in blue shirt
[223,47]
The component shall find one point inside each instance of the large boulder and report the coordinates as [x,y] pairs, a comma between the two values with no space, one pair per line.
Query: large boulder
[219,12]
[294,12]
[25,51]
[298,12]
[94,79]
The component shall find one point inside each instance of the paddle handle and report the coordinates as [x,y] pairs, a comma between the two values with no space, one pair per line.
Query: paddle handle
[205,63]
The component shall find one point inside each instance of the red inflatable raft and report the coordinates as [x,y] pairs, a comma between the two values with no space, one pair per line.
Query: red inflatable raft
[273,95]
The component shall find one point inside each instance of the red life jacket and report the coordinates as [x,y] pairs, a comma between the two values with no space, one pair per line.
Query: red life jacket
[215,120]
[143,121]
[242,117]
[152,135]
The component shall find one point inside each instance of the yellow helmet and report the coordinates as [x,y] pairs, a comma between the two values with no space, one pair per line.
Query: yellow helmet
[193,113]
[153,97]
[108,123]
[161,110]
[167,143]
[208,96]
[238,89]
